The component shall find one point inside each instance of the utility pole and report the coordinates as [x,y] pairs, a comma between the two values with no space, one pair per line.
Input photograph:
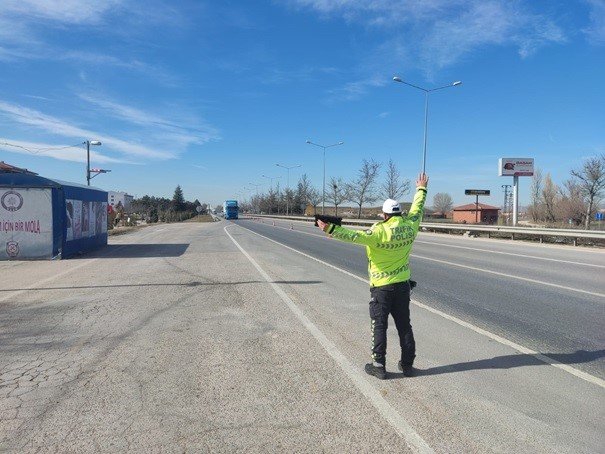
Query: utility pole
[505,207]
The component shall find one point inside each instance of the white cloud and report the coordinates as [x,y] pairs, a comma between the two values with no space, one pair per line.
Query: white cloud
[61,152]
[432,34]
[596,30]
[58,127]
[183,131]
[356,89]
[62,11]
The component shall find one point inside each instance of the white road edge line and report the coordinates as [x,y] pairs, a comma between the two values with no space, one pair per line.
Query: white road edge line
[401,426]
[512,276]
[544,358]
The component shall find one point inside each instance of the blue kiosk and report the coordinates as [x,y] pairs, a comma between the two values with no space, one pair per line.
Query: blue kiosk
[42,218]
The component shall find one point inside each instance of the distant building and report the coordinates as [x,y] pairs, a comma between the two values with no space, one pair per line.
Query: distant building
[476,213]
[115,197]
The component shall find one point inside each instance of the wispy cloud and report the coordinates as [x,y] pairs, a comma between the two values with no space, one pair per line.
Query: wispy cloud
[58,127]
[433,34]
[356,89]
[56,151]
[185,131]
[71,11]
[596,29]
[383,114]
[25,27]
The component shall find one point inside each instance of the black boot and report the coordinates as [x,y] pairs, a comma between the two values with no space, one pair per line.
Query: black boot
[408,371]
[377,371]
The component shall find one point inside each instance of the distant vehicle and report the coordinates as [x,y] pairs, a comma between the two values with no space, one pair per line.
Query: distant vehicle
[230,209]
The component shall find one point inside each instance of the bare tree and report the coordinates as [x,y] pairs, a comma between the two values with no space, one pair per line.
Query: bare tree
[442,202]
[535,194]
[549,198]
[572,205]
[592,183]
[337,193]
[394,186]
[314,198]
[363,188]
[304,185]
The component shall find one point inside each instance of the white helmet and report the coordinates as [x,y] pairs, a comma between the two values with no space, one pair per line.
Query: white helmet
[391,206]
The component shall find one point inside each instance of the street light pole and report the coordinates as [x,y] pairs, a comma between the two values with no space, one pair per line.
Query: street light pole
[88,144]
[288,183]
[323,196]
[426,91]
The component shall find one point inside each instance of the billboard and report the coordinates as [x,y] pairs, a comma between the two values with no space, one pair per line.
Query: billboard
[515,167]
[26,223]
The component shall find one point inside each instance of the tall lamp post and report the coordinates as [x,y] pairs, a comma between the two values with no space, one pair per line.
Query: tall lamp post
[288,168]
[88,143]
[426,91]
[323,196]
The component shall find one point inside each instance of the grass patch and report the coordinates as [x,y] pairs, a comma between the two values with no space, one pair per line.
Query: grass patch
[124,230]
[201,218]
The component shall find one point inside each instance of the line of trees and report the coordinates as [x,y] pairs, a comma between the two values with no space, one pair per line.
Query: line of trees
[161,209]
[363,190]
[575,201]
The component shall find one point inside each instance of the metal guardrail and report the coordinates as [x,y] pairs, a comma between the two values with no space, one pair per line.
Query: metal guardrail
[489,229]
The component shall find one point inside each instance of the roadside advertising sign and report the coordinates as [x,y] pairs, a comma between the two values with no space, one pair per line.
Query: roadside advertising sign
[476,192]
[515,167]
[25,223]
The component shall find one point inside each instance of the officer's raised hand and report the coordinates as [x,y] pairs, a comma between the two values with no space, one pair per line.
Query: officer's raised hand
[422,181]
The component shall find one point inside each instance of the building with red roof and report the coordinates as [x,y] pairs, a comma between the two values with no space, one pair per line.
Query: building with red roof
[476,213]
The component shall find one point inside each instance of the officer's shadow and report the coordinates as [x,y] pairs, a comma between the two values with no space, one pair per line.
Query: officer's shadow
[511,361]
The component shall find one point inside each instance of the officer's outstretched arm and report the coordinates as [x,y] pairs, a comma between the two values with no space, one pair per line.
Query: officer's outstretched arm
[366,237]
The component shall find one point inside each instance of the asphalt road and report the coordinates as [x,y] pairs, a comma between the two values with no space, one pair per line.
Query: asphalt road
[210,338]
[548,298]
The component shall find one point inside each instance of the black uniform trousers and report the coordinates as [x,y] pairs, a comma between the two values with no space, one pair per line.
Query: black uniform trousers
[391,299]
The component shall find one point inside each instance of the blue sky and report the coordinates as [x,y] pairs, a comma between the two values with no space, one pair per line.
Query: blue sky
[212,94]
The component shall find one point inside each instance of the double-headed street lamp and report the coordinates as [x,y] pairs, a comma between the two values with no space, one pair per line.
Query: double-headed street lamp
[426,91]
[323,196]
[94,143]
[288,168]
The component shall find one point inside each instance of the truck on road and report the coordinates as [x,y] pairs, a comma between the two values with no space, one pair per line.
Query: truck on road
[230,209]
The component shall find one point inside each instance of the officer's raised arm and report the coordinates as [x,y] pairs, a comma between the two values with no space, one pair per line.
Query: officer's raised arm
[417,208]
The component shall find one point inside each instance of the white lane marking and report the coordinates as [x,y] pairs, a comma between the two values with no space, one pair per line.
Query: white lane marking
[497,273]
[510,253]
[512,276]
[544,358]
[401,426]
[68,271]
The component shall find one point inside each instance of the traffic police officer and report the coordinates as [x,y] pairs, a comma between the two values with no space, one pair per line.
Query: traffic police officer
[388,245]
